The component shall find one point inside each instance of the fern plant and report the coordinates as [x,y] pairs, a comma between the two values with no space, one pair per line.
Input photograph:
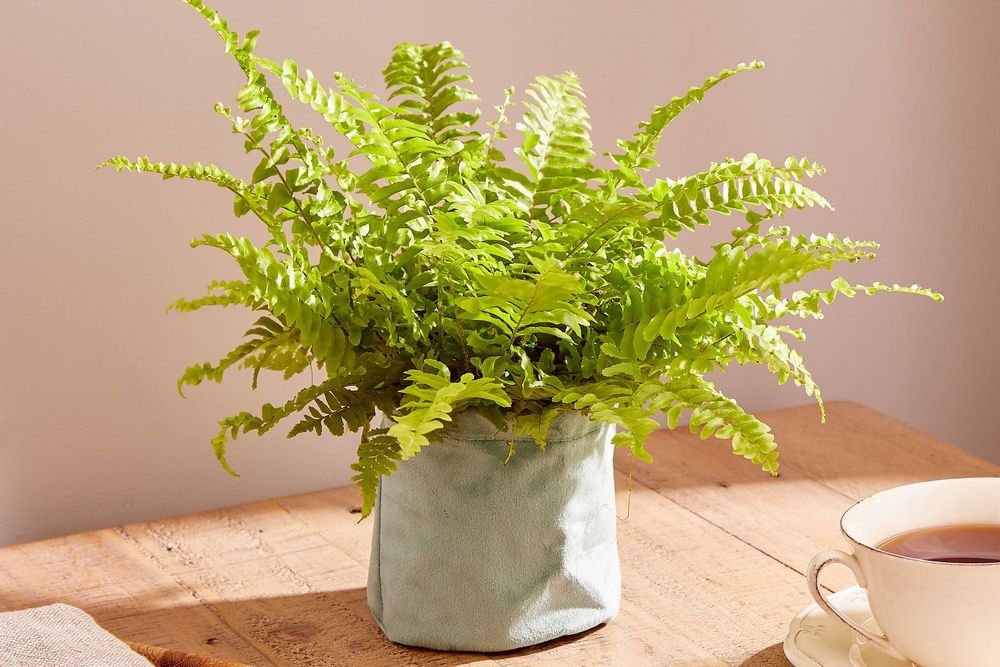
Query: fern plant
[421,273]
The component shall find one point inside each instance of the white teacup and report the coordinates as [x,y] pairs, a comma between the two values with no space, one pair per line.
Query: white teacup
[932,613]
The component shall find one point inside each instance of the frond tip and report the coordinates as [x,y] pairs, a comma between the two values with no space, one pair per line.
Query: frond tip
[429,82]
[378,455]
[637,153]
[556,147]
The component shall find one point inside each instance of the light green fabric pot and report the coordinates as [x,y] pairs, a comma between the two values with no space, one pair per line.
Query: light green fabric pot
[471,554]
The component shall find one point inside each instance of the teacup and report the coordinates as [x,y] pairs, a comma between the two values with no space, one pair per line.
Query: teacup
[935,614]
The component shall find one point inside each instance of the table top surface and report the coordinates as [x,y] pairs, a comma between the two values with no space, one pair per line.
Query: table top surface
[713,553]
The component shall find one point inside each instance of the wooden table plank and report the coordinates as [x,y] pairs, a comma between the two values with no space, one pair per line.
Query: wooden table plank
[786,518]
[712,556]
[297,601]
[825,469]
[125,591]
[860,451]
[302,601]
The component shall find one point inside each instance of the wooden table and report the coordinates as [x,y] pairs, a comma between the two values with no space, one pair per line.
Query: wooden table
[712,558]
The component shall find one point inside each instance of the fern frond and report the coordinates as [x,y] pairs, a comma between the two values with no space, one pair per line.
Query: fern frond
[408,175]
[535,424]
[713,414]
[547,302]
[733,186]
[618,404]
[337,410]
[556,147]
[248,197]
[297,295]
[484,156]
[809,304]
[735,272]
[378,455]
[784,362]
[588,228]
[430,397]
[638,152]
[220,293]
[269,416]
[306,88]
[266,334]
[269,132]
[427,79]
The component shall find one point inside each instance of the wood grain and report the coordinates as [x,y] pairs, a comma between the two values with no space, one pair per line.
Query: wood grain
[712,553]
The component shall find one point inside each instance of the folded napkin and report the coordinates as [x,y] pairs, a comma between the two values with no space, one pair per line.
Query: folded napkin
[59,634]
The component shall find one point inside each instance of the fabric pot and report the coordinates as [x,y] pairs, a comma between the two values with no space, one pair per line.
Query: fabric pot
[471,554]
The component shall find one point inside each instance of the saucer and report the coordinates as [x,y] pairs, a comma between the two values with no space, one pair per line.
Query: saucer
[817,640]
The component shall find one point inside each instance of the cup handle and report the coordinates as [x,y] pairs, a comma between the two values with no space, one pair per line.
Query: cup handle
[815,567]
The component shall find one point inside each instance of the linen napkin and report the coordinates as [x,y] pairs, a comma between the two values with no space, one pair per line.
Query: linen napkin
[59,634]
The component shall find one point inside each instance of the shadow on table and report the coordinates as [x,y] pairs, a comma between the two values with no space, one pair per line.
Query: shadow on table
[772,656]
[335,627]
[325,628]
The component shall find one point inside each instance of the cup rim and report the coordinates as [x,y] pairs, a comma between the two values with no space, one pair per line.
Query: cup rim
[858,543]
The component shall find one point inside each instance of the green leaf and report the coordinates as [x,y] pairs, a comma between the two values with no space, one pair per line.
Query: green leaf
[278,197]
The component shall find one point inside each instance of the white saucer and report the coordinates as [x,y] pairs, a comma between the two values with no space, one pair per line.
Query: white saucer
[816,640]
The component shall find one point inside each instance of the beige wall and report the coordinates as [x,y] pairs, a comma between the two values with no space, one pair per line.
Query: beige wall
[898,99]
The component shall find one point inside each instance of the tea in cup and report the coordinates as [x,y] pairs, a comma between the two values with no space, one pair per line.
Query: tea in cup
[928,555]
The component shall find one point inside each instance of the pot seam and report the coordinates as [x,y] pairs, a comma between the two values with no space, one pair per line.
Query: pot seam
[522,438]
